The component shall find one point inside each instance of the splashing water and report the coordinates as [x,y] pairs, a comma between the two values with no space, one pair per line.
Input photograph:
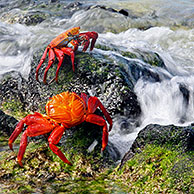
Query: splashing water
[15,49]
[168,101]
[165,102]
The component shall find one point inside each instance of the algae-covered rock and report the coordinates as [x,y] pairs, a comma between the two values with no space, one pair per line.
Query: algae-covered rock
[93,77]
[174,137]
[44,172]
[157,169]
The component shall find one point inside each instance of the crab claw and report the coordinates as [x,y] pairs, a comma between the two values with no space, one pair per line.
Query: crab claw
[85,37]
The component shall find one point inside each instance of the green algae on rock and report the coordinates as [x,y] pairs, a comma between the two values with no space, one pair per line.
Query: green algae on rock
[158,169]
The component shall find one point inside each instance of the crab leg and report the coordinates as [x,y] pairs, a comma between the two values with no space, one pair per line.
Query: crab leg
[16,132]
[86,42]
[69,52]
[94,38]
[98,120]
[23,145]
[93,104]
[60,57]
[41,61]
[37,125]
[51,60]
[54,139]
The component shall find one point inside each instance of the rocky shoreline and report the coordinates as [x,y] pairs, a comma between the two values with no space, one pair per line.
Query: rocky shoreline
[160,159]
[20,97]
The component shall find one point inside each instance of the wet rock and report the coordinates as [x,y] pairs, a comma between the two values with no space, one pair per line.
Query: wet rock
[53,1]
[93,77]
[124,12]
[174,137]
[7,123]
[28,17]
[73,5]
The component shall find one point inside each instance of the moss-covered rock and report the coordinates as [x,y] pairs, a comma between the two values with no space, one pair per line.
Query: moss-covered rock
[44,172]
[157,169]
[173,137]
[20,97]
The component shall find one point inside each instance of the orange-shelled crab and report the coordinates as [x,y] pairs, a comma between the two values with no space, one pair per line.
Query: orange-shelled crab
[66,44]
[63,111]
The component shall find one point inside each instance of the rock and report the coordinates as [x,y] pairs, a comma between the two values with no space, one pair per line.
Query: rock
[28,17]
[174,137]
[124,12]
[53,1]
[7,123]
[74,5]
[93,77]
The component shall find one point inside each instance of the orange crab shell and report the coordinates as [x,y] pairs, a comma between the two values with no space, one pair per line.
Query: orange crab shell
[66,108]
[63,37]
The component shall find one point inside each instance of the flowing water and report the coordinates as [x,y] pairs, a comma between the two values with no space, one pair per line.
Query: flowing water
[168,31]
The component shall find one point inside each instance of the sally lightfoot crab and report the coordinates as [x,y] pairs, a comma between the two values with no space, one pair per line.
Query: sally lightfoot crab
[66,44]
[63,111]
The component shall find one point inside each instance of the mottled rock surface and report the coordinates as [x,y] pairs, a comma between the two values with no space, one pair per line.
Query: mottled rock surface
[179,138]
[93,77]
[7,123]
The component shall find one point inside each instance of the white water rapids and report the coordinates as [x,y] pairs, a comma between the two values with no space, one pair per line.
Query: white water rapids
[161,102]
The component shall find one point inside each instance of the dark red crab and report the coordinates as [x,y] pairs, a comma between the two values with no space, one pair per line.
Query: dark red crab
[64,110]
[66,44]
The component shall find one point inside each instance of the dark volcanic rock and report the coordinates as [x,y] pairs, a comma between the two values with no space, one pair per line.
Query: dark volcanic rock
[93,77]
[180,138]
[7,123]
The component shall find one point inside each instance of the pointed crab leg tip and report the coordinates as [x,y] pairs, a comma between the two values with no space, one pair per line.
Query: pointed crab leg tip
[37,78]
[67,162]
[70,163]
[10,146]
[45,82]
[20,163]
[102,152]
